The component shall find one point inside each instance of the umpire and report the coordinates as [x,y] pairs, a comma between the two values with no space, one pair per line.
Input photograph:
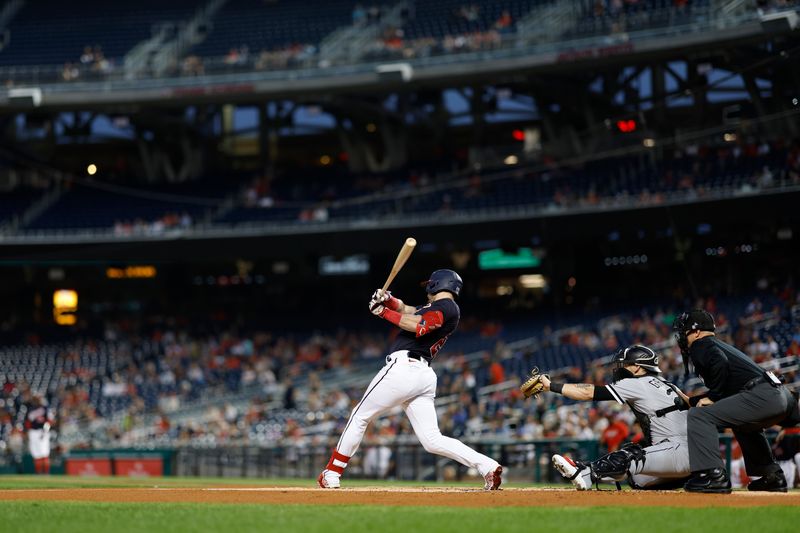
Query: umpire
[740,396]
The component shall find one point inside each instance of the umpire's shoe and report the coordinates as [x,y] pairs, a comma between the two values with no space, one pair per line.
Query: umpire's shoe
[774,482]
[715,480]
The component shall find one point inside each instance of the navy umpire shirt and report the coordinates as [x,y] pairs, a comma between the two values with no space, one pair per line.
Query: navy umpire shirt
[724,369]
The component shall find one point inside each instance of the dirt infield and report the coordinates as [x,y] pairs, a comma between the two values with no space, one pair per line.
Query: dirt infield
[449,497]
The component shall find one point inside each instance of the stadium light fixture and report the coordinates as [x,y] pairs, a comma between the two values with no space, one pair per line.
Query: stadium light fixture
[781,22]
[394,72]
[65,305]
[532,281]
[25,97]
[511,160]
[729,137]
[91,169]
[504,290]
[649,143]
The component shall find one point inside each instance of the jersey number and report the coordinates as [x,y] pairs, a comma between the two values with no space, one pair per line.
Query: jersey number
[657,383]
[438,346]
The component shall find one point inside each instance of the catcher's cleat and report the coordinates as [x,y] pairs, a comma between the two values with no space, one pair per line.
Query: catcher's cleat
[328,480]
[572,471]
[493,478]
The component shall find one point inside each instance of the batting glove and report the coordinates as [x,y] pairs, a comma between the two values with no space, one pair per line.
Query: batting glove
[386,298]
[381,295]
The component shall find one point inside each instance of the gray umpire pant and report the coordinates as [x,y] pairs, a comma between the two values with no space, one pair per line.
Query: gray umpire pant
[747,413]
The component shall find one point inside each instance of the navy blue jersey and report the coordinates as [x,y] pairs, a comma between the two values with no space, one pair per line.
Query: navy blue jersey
[439,320]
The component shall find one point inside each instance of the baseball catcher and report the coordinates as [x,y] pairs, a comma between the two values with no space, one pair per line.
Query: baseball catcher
[660,408]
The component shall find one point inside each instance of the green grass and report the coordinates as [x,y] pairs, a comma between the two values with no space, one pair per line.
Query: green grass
[67,517]
[90,517]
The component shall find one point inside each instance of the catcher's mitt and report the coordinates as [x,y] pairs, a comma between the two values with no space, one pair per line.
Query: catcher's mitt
[533,386]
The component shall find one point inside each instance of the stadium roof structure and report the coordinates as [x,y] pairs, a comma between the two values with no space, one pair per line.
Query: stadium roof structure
[42,87]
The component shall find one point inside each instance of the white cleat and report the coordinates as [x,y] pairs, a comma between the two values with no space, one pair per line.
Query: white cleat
[328,480]
[577,475]
[493,479]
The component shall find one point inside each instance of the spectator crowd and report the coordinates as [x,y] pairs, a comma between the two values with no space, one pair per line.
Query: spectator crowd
[160,383]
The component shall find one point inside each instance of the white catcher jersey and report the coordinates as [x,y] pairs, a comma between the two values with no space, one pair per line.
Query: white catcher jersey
[646,395]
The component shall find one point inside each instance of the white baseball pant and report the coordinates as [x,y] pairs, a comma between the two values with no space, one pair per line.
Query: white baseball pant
[663,462]
[411,384]
[39,443]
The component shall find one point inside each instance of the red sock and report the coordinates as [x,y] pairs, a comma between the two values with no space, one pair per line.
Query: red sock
[337,462]
[37,466]
[45,465]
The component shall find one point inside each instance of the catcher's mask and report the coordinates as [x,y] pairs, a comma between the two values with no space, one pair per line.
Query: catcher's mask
[634,355]
[689,322]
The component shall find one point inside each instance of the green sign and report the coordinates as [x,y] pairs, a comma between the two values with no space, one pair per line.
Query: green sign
[498,258]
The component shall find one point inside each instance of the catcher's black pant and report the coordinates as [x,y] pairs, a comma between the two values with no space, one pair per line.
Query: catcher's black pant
[747,413]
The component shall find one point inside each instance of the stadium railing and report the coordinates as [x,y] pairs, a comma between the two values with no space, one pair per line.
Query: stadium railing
[527,461]
[293,227]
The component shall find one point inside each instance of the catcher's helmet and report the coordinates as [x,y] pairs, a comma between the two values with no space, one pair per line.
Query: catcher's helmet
[444,280]
[637,354]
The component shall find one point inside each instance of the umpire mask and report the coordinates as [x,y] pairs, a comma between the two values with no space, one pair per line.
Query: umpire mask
[689,322]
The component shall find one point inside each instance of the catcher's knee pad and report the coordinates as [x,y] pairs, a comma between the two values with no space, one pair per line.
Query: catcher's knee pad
[615,464]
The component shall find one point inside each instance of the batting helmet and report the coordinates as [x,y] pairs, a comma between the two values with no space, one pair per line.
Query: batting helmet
[444,280]
[637,355]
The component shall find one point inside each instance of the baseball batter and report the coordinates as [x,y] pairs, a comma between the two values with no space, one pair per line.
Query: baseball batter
[664,460]
[407,380]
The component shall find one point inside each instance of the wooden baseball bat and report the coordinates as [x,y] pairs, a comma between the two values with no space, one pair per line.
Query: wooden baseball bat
[402,257]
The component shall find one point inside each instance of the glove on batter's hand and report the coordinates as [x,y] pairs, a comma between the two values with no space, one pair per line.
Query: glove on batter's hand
[377,308]
[533,386]
[373,303]
[381,296]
